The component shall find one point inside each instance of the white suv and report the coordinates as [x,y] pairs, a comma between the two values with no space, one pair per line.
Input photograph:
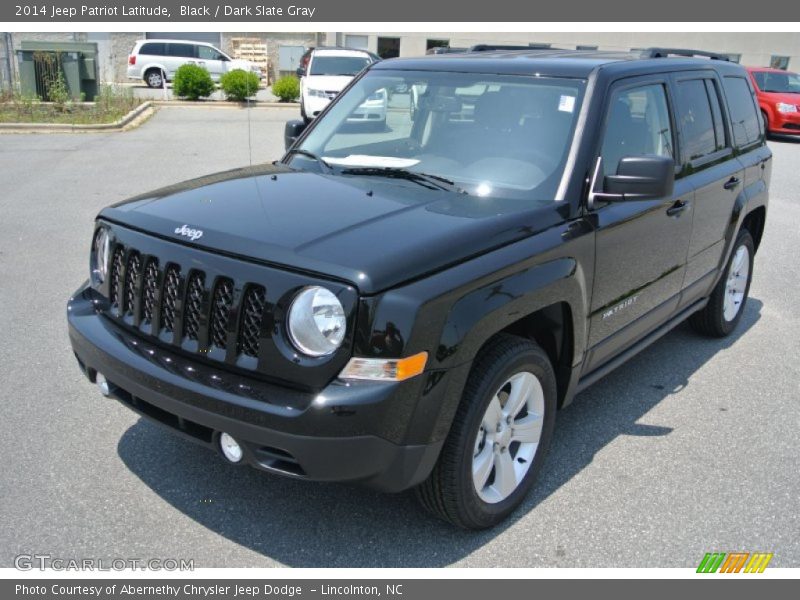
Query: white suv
[325,72]
[151,60]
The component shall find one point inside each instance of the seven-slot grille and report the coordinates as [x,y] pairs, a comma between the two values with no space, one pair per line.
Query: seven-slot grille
[183,306]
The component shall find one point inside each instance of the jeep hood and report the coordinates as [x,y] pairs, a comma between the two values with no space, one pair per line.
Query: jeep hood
[372,232]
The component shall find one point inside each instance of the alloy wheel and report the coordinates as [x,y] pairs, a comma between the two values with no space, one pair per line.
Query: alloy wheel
[508,437]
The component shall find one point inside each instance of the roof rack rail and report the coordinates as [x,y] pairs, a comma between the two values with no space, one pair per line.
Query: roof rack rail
[667,52]
[495,47]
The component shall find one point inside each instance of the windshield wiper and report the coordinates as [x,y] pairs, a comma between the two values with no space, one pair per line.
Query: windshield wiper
[310,155]
[424,179]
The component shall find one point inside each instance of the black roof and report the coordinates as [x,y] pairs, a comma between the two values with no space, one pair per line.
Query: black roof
[553,62]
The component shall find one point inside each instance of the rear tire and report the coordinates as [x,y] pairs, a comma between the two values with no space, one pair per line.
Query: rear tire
[726,304]
[154,78]
[487,464]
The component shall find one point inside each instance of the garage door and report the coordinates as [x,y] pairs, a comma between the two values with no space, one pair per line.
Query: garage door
[202,36]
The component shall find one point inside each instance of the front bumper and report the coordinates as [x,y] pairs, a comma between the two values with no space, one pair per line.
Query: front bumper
[785,123]
[336,434]
[370,111]
[315,105]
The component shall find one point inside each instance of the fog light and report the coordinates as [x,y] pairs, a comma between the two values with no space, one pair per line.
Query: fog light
[230,448]
[102,384]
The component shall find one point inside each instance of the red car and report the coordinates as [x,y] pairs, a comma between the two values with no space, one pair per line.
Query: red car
[779,98]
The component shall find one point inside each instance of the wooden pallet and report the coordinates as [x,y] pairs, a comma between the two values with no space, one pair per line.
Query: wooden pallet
[252,49]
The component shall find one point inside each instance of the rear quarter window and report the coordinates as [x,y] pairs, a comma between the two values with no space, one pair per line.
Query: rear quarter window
[152,48]
[745,121]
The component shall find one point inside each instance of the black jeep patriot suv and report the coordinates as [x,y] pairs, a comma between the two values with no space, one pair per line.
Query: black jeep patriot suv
[407,306]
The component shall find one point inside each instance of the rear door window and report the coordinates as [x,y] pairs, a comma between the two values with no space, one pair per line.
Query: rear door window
[696,119]
[745,121]
[181,50]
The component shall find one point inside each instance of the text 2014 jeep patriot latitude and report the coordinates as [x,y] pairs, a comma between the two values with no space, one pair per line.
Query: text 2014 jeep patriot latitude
[408,305]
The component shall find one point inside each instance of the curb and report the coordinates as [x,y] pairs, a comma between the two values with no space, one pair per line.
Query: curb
[224,104]
[118,125]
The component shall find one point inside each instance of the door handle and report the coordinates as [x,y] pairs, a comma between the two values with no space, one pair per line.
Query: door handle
[677,208]
[731,183]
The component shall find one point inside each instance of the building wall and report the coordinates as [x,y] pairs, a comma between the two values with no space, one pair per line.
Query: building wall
[6,64]
[273,41]
[755,48]
[121,46]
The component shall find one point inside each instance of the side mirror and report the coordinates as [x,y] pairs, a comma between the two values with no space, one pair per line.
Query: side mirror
[640,178]
[292,131]
[300,71]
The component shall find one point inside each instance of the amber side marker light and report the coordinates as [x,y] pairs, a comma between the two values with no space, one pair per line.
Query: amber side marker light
[383,369]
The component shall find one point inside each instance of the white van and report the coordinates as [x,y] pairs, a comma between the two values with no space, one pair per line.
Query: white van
[151,60]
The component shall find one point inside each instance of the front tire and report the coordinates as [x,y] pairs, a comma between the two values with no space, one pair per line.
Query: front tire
[726,303]
[766,121]
[499,436]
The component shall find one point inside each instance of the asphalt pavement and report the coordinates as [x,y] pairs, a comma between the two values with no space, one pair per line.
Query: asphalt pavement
[690,447]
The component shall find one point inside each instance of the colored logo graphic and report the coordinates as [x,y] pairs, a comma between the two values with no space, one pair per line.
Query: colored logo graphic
[734,562]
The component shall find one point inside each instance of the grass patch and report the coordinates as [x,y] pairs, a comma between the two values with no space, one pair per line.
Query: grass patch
[111,104]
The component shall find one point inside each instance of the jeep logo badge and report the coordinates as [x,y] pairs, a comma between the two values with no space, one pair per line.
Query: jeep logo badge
[192,234]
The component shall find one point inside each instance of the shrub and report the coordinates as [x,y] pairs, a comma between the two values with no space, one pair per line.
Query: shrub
[192,82]
[287,88]
[239,85]
[57,91]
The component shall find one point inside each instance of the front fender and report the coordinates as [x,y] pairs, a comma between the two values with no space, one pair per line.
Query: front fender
[453,313]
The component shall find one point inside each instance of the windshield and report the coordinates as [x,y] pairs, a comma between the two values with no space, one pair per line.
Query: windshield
[781,83]
[338,65]
[489,135]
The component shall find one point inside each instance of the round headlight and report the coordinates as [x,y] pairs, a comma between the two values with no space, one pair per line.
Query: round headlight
[317,322]
[100,251]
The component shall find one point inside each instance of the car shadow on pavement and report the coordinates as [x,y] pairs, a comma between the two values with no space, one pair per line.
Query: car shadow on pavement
[307,524]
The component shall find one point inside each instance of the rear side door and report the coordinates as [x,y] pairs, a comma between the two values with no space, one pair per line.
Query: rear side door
[709,165]
[641,245]
[749,137]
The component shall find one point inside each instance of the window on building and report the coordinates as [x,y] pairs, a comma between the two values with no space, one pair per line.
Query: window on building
[737,58]
[779,62]
[584,47]
[431,43]
[744,116]
[697,120]
[360,42]
[388,47]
